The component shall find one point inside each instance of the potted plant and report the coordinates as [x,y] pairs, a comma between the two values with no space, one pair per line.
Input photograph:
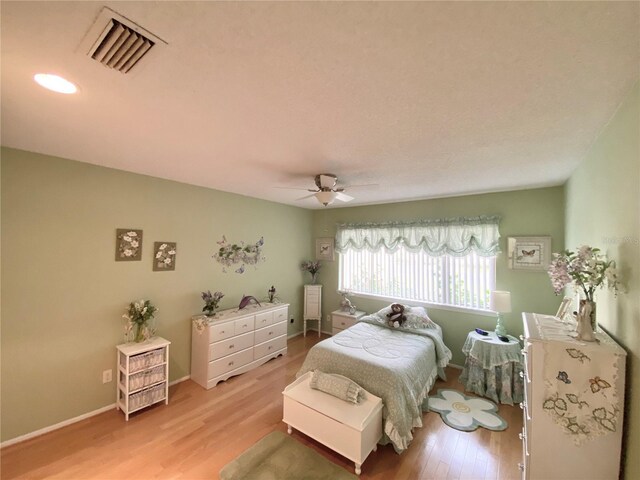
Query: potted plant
[211,301]
[313,267]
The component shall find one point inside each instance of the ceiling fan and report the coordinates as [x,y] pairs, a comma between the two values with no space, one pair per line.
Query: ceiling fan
[327,192]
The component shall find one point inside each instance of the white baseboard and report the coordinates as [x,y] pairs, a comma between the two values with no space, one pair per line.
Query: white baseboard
[70,421]
[293,335]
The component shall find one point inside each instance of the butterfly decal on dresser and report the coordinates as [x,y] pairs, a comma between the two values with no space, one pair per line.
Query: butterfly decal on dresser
[577,354]
[598,384]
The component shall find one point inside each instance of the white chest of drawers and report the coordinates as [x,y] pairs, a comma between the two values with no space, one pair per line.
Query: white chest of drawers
[548,451]
[235,341]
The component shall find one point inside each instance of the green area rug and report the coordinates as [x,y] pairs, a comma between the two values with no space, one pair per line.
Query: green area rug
[279,457]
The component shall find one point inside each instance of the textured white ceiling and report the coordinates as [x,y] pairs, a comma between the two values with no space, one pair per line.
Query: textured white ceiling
[426,99]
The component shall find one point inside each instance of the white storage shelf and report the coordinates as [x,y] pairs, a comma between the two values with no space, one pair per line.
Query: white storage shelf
[143,375]
[235,341]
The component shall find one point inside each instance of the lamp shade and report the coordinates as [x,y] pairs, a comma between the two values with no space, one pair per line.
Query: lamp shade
[326,197]
[500,301]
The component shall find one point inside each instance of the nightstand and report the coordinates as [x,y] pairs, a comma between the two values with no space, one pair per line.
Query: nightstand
[492,368]
[341,320]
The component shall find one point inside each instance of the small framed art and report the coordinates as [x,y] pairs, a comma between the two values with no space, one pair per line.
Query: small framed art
[324,249]
[529,253]
[128,245]
[164,256]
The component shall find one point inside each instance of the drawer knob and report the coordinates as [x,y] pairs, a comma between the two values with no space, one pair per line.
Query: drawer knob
[521,337]
[270,347]
[522,405]
[521,467]
[521,374]
[270,333]
[231,346]
[522,436]
[245,326]
[221,332]
[231,363]
[342,323]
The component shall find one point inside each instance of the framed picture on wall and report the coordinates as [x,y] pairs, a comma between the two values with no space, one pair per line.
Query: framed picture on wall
[164,256]
[128,245]
[324,249]
[529,253]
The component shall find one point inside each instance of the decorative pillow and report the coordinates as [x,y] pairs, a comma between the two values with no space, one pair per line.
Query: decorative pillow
[337,385]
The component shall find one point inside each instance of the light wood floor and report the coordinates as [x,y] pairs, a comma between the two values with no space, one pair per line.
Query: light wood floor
[200,431]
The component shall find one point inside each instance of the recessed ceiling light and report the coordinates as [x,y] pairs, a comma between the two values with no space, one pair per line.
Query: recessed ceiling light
[55,83]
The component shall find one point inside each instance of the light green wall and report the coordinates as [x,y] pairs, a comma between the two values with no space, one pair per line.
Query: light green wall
[603,210]
[524,213]
[63,293]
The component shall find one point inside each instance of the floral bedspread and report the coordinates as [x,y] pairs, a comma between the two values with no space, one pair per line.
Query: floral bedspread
[398,366]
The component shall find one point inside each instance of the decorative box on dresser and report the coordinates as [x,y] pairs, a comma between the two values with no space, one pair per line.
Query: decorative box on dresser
[312,306]
[236,341]
[341,320]
[143,375]
[573,404]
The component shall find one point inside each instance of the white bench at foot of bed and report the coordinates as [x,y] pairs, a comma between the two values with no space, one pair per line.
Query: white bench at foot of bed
[352,430]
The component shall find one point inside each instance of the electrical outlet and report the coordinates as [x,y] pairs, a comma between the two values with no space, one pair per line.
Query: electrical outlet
[107,376]
[292,320]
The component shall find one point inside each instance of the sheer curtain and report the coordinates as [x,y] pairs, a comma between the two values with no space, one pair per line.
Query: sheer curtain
[453,236]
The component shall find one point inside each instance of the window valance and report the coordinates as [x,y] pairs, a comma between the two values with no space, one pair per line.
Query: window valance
[452,236]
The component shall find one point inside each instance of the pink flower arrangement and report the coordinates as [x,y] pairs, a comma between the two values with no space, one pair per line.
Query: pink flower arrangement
[586,268]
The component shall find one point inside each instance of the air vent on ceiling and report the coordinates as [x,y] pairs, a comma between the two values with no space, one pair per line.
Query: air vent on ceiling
[118,43]
[121,47]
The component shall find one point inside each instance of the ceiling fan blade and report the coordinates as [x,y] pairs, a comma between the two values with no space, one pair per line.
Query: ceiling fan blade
[343,197]
[306,196]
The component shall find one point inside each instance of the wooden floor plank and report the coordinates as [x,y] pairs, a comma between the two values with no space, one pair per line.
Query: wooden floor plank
[201,430]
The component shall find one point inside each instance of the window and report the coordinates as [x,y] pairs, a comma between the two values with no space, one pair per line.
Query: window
[416,276]
[447,261]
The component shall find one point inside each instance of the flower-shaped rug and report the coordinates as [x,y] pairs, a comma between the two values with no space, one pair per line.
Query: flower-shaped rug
[466,413]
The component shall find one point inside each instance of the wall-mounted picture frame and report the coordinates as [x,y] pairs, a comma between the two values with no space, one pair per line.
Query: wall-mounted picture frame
[529,253]
[324,249]
[164,256]
[128,245]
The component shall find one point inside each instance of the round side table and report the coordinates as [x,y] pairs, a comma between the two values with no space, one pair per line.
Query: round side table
[492,368]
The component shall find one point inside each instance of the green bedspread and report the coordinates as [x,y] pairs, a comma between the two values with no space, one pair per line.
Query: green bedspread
[397,365]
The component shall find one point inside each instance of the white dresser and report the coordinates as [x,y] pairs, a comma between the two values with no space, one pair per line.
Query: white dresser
[235,341]
[312,306]
[341,320]
[573,404]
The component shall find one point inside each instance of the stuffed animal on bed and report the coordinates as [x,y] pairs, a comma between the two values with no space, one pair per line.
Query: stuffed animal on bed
[396,317]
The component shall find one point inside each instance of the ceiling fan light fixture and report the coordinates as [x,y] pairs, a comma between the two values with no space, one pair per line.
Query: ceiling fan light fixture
[326,197]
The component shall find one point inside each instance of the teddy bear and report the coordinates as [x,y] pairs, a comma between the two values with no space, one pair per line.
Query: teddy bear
[396,317]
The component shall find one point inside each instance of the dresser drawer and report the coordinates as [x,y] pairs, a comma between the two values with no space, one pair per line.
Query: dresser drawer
[280,315]
[243,325]
[264,319]
[230,345]
[271,346]
[230,362]
[272,331]
[221,331]
[341,322]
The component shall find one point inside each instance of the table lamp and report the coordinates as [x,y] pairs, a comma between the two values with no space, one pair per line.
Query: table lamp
[500,303]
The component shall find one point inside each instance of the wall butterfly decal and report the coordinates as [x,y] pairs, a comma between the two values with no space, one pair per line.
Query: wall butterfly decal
[528,253]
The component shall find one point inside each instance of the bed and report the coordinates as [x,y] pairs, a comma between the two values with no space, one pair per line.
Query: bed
[398,365]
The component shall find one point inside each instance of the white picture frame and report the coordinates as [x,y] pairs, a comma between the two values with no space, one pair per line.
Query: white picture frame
[324,249]
[529,253]
[564,308]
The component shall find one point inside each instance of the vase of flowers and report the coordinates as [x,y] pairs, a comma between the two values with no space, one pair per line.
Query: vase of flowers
[211,302]
[313,267]
[139,316]
[588,270]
